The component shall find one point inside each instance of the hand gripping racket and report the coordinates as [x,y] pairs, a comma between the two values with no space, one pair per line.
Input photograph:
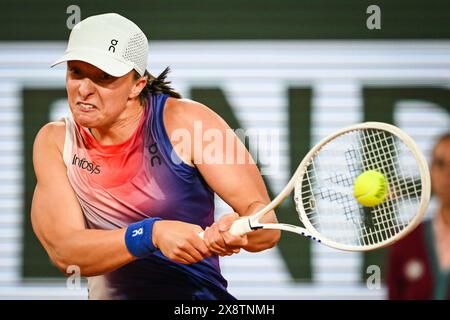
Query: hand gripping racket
[323,188]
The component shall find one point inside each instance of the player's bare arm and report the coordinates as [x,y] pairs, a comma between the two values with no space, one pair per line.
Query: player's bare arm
[239,184]
[58,220]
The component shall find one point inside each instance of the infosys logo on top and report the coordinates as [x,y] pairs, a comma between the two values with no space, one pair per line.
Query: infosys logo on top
[85,164]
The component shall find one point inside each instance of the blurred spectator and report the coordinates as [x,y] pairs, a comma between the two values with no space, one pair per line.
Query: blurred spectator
[419,265]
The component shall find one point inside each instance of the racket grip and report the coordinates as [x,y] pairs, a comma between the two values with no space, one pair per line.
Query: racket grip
[239,227]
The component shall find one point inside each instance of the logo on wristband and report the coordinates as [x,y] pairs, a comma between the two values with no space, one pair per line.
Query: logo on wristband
[137,232]
[138,237]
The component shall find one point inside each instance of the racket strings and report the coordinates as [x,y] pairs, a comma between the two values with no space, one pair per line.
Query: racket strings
[389,223]
[326,191]
[384,150]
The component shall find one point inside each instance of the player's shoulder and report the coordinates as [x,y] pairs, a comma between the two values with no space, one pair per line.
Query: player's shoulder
[188,111]
[186,107]
[51,134]
[52,130]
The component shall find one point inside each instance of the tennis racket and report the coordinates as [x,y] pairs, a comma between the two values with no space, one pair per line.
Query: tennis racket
[323,190]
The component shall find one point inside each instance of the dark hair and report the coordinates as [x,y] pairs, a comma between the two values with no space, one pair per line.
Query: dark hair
[156,85]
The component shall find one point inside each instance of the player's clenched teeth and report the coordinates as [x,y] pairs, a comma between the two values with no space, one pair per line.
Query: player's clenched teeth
[85,106]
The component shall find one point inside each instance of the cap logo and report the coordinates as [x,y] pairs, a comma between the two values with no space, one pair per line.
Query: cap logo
[113,44]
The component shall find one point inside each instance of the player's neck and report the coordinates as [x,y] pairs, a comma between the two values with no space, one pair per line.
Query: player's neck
[121,130]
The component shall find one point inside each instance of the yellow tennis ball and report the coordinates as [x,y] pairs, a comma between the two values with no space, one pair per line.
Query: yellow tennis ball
[370,188]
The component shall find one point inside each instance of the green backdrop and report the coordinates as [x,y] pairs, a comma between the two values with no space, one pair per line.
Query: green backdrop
[236,19]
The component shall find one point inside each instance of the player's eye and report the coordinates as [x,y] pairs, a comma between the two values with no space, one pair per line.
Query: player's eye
[74,71]
[106,77]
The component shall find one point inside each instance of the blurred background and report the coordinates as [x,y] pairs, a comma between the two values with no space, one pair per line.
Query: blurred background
[298,70]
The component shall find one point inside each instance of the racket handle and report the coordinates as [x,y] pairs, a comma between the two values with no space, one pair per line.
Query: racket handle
[239,227]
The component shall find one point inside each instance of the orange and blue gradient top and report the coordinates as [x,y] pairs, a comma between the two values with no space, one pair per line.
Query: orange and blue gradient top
[142,177]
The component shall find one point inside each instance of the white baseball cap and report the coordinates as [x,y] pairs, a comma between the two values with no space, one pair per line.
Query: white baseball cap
[110,42]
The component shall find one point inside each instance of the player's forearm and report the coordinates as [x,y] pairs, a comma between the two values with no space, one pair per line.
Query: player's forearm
[261,239]
[94,252]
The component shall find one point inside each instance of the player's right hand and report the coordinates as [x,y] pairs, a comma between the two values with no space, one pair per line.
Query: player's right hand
[179,241]
[220,241]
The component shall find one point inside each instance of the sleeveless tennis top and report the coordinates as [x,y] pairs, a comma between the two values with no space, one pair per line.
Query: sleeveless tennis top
[142,177]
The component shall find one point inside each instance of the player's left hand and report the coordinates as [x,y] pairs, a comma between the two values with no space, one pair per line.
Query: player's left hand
[218,239]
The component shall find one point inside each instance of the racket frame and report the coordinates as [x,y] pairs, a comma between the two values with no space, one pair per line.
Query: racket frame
[250,223]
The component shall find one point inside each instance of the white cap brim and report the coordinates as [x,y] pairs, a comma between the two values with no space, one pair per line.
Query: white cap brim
[106,63]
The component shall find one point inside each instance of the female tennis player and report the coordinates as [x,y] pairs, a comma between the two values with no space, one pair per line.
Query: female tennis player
[118,196]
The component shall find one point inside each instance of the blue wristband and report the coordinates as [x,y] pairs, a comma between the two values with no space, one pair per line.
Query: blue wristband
[138,237]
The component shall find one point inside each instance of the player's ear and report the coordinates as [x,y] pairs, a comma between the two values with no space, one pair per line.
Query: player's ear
[138,86]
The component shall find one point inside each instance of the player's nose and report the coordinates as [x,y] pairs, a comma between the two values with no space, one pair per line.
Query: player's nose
[86,87]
